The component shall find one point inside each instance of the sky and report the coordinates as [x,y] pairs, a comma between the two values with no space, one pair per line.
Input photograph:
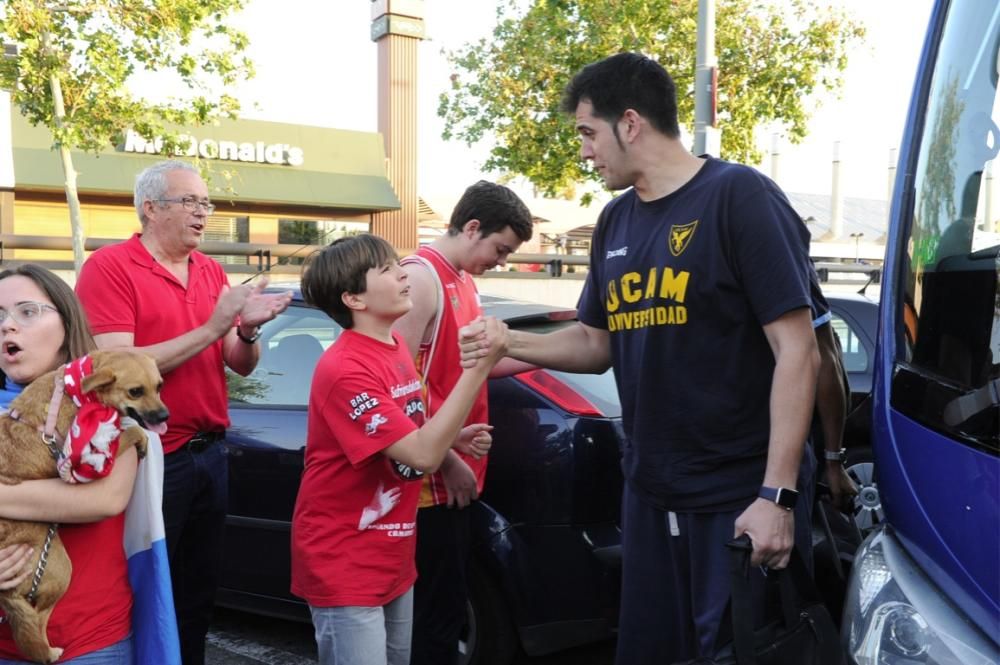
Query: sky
[316,65]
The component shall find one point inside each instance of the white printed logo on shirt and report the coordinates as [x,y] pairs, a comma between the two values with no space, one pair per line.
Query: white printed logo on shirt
[372,426]
[380,506]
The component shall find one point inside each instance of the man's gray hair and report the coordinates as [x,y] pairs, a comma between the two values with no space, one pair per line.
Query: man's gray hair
[151,183]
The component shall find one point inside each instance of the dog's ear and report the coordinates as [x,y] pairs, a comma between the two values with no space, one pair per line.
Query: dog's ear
[99,379]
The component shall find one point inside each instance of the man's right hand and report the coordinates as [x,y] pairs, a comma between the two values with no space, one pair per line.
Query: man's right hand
[498,339]
[483,338]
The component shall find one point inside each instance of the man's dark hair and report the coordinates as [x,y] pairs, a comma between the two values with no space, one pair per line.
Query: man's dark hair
[341,267]
[626,81]
[495,206]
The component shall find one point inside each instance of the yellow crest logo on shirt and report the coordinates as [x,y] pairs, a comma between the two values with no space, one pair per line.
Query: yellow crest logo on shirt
[680,237]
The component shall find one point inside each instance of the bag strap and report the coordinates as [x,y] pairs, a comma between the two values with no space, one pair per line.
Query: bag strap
[740,607]
[823,491]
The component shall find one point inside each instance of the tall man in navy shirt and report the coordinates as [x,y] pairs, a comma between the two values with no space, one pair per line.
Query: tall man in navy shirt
[698,297]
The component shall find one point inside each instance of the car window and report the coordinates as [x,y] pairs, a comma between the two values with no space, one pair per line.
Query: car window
[291,345]
[852,349]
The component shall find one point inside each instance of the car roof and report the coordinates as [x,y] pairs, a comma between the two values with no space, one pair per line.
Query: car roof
[850,296]
[510,310]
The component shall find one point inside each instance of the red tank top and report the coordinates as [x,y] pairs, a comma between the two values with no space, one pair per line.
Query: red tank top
[438,360]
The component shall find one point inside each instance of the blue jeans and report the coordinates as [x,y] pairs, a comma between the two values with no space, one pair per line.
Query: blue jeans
[119,653]
[365,635]
[195,501]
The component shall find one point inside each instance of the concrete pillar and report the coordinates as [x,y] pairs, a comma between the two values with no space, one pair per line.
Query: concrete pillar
[398,27]
[836,198]
[7,212]
[776,157]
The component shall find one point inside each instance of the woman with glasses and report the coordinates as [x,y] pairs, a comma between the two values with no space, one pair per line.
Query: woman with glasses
[43,326]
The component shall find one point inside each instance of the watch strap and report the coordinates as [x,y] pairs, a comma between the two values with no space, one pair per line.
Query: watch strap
[835,455]
[248,340]
[784,497]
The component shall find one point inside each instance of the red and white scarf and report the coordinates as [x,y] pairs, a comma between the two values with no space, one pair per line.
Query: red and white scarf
[92,441]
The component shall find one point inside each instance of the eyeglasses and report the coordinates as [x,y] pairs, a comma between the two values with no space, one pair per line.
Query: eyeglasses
[26,313]
[191,204]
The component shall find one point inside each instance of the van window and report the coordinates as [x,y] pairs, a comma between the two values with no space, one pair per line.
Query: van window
[949,354]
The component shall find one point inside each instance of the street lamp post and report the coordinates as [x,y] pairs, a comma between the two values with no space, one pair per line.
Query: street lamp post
[857,246]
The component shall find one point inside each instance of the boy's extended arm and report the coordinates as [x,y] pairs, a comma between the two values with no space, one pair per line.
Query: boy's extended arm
[425,448]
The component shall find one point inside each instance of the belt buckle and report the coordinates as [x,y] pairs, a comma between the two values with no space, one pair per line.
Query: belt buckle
[199,442]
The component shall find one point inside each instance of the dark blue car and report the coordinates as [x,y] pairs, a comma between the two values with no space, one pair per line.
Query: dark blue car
[546,560]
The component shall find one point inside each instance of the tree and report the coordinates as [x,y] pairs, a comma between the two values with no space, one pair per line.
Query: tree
[75,59]
[508,87]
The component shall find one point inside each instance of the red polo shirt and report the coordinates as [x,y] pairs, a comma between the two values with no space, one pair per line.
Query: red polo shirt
[124,290]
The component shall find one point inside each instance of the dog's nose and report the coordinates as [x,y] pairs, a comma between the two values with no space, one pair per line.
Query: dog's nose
[157,417]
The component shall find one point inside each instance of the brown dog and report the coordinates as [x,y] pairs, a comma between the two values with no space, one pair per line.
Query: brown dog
[126,381]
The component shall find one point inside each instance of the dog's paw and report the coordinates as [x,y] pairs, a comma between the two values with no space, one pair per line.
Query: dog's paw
[134,436]
[54,654]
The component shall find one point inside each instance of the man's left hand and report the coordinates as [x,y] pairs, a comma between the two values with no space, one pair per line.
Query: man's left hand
[772,530]
[261,307]
[842,488]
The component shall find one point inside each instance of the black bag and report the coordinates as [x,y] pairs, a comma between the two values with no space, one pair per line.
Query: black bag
[804,635]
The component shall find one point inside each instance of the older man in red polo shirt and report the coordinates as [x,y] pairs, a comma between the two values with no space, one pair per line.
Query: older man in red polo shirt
[156,293]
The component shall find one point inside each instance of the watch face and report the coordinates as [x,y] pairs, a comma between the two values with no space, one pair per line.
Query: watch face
[787,498]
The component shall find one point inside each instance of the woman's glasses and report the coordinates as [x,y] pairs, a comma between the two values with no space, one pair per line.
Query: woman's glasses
[26,313]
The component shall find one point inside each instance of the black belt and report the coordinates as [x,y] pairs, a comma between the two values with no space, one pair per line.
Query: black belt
[203,440]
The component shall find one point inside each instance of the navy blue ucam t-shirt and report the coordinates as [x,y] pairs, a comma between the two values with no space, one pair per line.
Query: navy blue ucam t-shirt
[684,285]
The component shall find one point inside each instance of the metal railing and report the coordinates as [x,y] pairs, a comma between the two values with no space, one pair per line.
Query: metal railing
[269,257]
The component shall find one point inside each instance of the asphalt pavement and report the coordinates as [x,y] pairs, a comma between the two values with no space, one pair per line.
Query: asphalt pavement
[238,638]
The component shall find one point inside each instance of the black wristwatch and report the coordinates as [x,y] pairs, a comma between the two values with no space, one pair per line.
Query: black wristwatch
[248,340]
[782,496]
[835,455]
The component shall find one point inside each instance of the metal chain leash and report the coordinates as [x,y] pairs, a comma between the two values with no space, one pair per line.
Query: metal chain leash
[43,560]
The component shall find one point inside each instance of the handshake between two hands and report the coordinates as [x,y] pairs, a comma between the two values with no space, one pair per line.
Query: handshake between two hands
[485,339]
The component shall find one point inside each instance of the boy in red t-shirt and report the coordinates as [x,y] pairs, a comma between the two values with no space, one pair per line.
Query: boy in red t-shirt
[368,445]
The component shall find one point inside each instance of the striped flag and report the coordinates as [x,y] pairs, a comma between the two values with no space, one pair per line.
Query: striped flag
[154,625]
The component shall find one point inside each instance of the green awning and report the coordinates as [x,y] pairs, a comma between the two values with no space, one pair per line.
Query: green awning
[311,166]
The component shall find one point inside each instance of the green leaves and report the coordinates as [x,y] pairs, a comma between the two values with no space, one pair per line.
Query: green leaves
[507,89]
[96,47]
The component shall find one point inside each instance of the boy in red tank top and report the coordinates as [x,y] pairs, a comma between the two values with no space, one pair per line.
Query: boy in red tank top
[488,223]
[368,445]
